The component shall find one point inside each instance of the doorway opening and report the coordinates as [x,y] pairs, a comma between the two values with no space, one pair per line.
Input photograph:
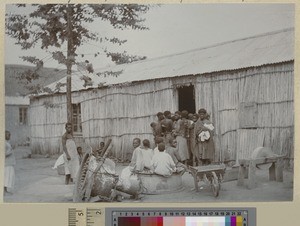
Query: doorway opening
[186,98]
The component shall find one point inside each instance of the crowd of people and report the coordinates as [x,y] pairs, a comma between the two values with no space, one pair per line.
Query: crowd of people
[178,138]
[192,132]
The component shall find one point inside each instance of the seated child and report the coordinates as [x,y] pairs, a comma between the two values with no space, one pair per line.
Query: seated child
[128,176]
[136,163]
[146,154]
[162,163]
[100,149]
[157,141]
[172,150]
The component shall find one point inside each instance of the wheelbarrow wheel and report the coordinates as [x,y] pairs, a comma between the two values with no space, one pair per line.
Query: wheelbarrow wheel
[215,185]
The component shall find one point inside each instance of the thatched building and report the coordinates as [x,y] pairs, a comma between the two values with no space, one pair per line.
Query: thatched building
[246,85]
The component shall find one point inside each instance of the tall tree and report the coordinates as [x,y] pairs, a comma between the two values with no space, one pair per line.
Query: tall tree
[54,26]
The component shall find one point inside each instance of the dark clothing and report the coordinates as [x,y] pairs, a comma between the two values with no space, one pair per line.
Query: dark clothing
[204,150]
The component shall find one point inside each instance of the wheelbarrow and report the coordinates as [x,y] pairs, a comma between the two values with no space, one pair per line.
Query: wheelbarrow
[212,175]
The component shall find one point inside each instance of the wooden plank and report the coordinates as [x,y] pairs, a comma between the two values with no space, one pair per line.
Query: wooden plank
[241,175]
[272,174]
[279,170]
[252,175]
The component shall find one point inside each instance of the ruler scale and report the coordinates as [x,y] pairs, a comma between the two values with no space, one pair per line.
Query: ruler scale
[76,217]
[162,217]
[72,217]
[93,217]
[180,217]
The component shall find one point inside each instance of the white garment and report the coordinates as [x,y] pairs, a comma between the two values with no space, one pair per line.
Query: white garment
[10,159]
[59,161]
[147,156]
[127,178]
[9,170]
[209,126]
[204,135]
[155,151]
[71,166]
[9,177]
[163,164]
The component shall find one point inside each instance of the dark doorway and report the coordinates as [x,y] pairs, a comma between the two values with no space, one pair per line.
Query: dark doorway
[186,99]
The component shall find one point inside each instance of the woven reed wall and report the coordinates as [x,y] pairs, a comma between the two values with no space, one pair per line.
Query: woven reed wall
[47,119]
[125,112]
[120,113]
[269,89]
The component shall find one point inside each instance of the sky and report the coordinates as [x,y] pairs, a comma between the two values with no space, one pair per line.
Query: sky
[176,28]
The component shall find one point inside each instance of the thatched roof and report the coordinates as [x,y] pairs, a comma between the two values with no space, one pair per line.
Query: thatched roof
[268,48]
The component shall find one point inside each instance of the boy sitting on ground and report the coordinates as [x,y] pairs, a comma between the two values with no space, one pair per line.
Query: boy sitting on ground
[146,155]
[173,152]
[162,163]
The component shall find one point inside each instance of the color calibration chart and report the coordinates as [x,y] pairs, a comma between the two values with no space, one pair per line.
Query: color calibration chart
[181,217]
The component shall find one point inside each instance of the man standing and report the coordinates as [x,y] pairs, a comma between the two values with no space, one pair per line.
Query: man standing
[70,154]
[10,162]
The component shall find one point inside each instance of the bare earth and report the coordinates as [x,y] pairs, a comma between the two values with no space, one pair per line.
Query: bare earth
[37,182]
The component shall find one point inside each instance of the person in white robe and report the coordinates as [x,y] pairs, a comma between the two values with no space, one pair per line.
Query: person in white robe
[10,162]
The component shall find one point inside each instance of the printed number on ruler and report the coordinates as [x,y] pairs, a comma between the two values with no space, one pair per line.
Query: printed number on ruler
[93,217]
[77,217]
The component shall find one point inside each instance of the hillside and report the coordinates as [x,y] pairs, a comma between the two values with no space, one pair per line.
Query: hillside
[16,87]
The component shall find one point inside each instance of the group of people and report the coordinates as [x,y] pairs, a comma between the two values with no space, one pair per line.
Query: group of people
[193,133]
[162,160]
[178,138]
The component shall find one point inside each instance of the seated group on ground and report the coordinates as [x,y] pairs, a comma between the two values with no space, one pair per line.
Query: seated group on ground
[178,139]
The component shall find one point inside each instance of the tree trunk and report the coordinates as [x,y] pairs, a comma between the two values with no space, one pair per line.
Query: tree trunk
[69,67]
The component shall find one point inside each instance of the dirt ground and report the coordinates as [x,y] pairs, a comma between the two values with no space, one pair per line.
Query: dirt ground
[37,182]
